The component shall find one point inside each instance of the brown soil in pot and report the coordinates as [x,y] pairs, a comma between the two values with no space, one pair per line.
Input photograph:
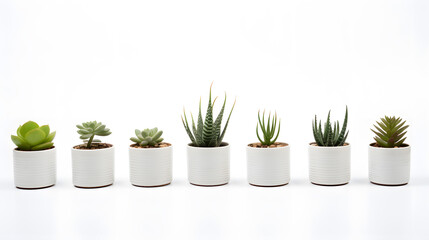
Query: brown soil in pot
[376,145]
[34,150]
[159,145]
[315,144]
[93,146]
[274,145]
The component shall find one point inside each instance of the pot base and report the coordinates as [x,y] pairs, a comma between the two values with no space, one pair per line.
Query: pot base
[389,185]
[269,186]
[330,185]
[151,186]
[94,187]
[208,185]
[35,188]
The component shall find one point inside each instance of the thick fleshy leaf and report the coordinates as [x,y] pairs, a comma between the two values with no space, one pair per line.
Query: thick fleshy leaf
[84,131]
[42,146]
[45,129]
[136,140]
[145,133]
[19,142]
[35,136]
[103,134]
[100,128]
[86,136]
[28,126]
[157,135]
[51,136]
[18,132]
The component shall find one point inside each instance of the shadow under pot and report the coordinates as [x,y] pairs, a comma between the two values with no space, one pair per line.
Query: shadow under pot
[35,169]
[268,167]
[93,168]
[208,166]
[329,166]
[151,167]
[389,166]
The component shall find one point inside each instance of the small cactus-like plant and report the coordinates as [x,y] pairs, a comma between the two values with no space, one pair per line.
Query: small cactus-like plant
[31,137]
[207,133]
[330,136]
[147,137]
[391,132]
[89,130]
[268,129]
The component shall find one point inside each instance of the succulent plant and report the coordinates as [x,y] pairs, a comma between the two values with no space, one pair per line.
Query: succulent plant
[89,130]
[147,137]
[207,133]
[31,137]
[391,132]
[268,129]
[331,136]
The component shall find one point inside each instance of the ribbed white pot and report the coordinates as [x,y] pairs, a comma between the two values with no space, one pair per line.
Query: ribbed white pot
[93,168]
[329,165]
[268,167]
[208,166]
[389,166]
[151,167]
[35,169]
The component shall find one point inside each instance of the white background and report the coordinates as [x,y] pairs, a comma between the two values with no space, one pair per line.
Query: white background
[136,64]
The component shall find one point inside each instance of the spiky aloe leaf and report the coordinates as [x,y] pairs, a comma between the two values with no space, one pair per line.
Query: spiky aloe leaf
[200,126]
[188,131]
[208,129]
[219,142]
[217,125]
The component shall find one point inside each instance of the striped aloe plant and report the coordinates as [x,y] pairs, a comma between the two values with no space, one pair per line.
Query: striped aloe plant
[330,136]
[207,133]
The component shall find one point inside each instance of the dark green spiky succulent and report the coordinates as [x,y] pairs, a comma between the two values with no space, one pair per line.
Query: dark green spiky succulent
[147,137]
[89,130]
[268,130]
[207,133]
[391,132]
[31,137]
[330,136]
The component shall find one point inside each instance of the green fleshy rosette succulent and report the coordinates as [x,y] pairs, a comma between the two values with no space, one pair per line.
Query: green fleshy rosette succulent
[147,137]
[32,137]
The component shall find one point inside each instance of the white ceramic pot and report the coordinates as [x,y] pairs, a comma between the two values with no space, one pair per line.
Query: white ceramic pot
[151,167]
[268,167]
[35,169]
[329,165]
[208,166]
[93,168]
[389,166]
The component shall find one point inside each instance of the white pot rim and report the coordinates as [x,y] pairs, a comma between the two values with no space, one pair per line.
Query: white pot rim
[91,150]
[393,149]
[269,149]
[324,147]
[28,152]
[223,145]
[150,149]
